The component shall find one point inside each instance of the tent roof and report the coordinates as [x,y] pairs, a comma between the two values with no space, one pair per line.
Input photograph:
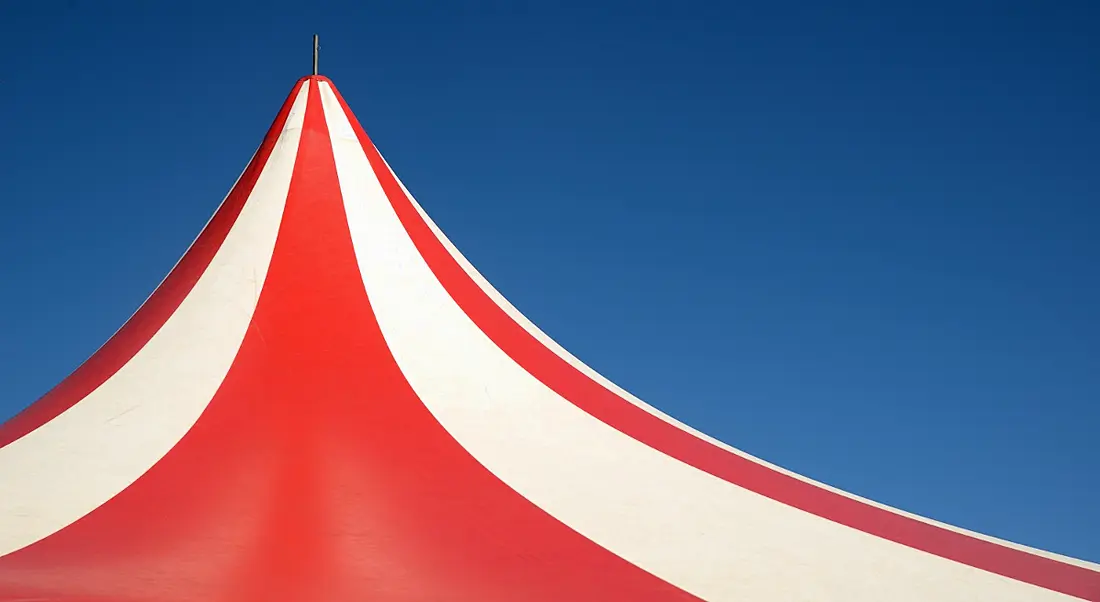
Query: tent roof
[325,401]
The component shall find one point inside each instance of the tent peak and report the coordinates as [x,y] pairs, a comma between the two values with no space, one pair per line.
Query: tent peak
[315,78]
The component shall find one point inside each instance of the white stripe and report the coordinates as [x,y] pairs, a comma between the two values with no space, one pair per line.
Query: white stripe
[698,532]
[71,465]
[180,259]
[572,360]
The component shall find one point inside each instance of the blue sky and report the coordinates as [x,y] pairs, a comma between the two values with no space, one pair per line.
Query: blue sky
[856,239]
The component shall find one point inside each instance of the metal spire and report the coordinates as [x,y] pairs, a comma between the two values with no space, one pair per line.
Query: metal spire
[316,47]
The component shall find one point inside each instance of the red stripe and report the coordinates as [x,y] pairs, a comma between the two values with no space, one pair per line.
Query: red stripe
[152,315]
[628,418]
[316,473]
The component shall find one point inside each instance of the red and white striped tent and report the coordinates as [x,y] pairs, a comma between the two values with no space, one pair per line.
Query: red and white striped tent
[324,401]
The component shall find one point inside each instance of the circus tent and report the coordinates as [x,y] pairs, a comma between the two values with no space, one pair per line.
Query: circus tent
[325,401]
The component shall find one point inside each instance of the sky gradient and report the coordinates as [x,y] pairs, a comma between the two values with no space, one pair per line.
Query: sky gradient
[855,240]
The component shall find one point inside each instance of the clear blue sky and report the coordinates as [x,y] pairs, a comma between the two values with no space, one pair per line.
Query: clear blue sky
[857,239]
